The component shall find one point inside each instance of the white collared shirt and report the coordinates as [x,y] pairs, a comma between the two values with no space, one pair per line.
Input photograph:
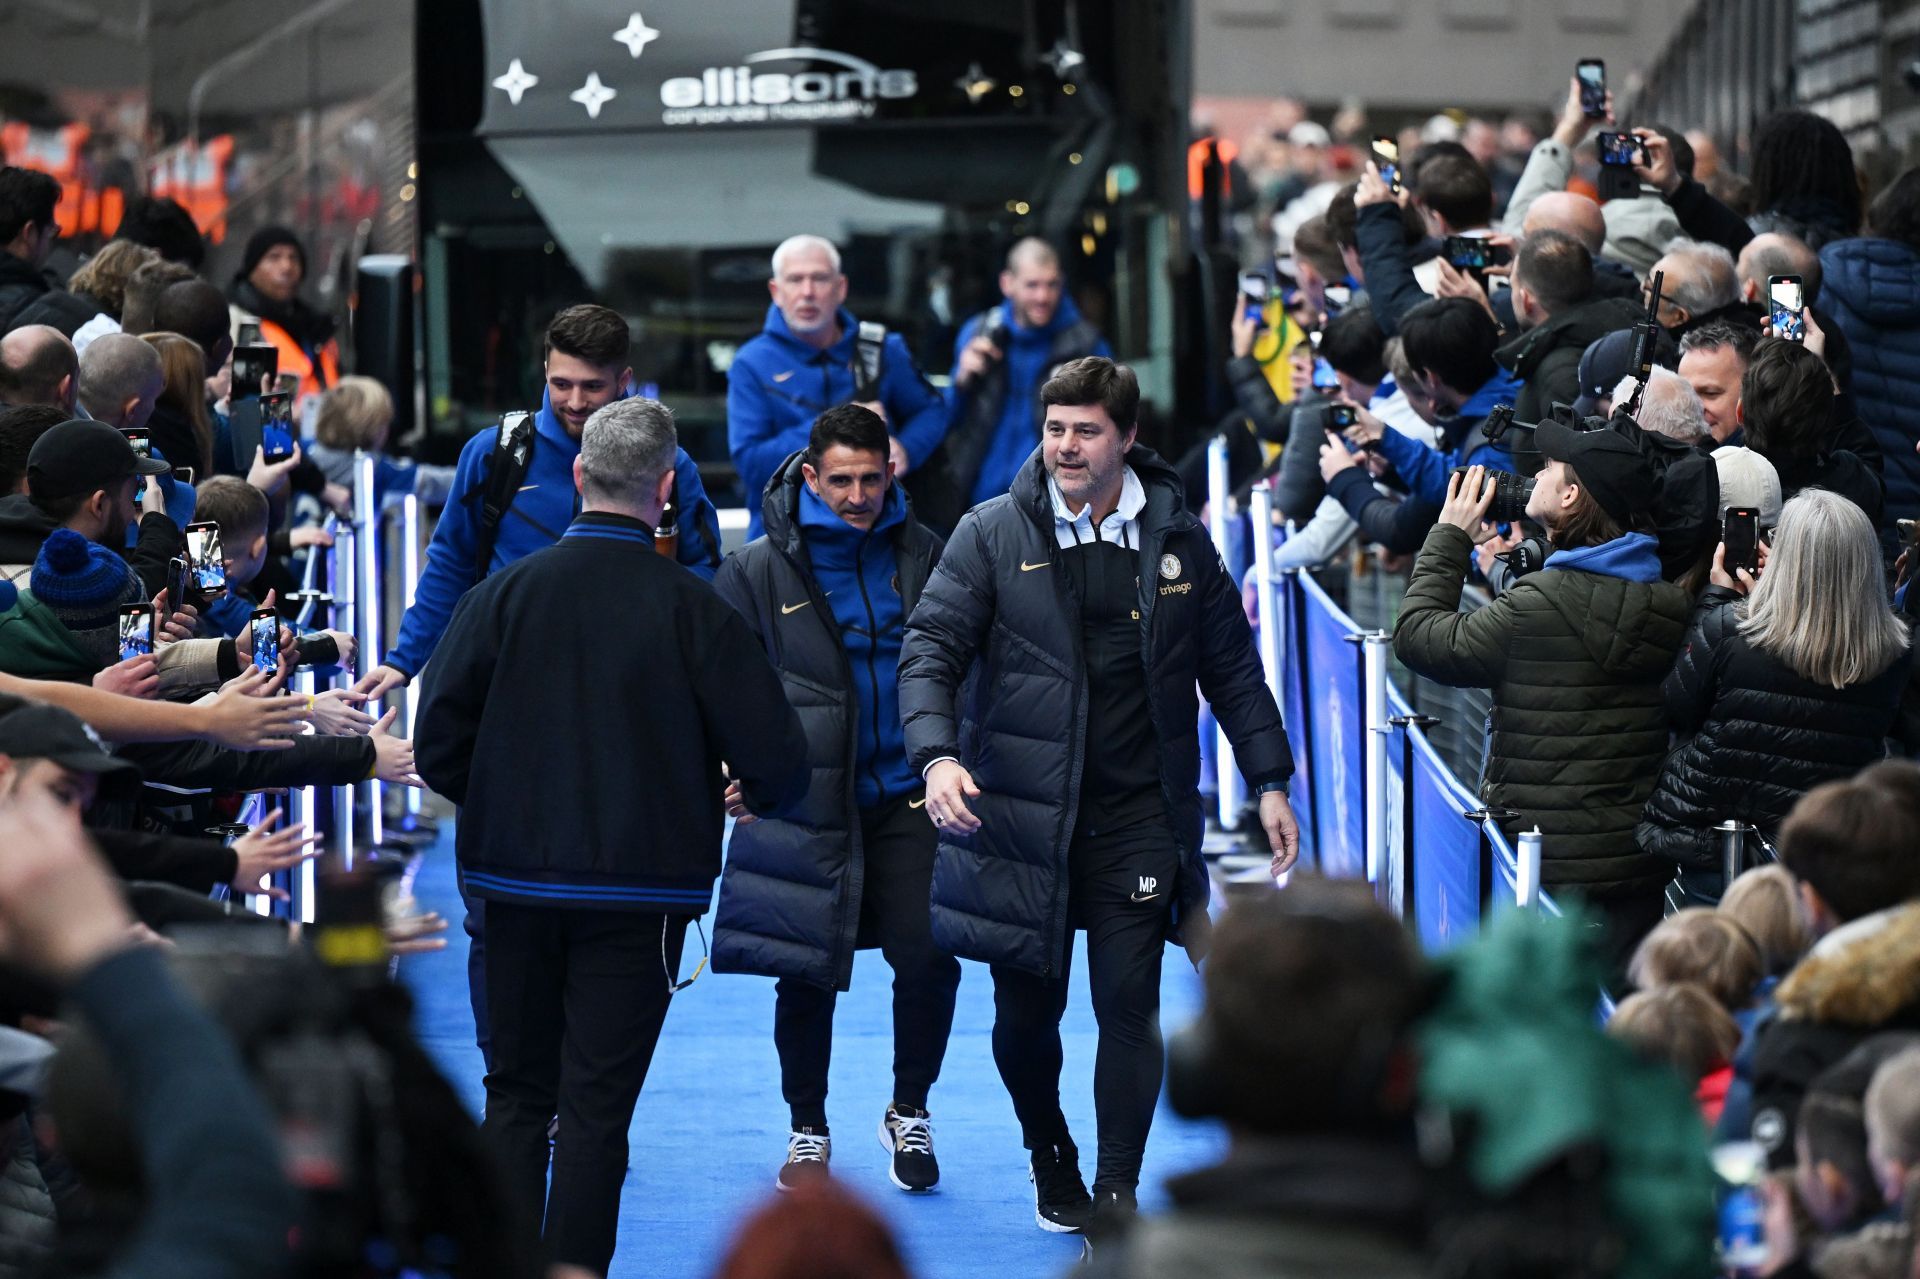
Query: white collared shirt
[1122,526]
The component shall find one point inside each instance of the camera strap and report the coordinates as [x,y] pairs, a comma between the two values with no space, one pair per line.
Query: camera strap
[869,360]
[507,468]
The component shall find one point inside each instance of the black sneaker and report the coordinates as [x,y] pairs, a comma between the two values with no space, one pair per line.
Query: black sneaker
[1113,1213]
[807,1154]
[1061,1204]
[907,1136]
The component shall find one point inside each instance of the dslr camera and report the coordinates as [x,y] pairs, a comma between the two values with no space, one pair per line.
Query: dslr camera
[1510,495]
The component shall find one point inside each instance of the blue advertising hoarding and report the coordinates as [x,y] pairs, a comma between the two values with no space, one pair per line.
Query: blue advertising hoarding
[1338,743]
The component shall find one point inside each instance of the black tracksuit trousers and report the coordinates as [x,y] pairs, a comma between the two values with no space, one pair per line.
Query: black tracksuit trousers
[1122,888]
[898,842]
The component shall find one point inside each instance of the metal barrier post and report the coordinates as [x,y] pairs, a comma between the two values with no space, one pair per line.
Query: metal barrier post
[1408,725]
[366,613]
[346,617]
[1231,788]
[1526,888]
[1733,850]
[1268,601]
[300,812]
[1373,691]
[410,584]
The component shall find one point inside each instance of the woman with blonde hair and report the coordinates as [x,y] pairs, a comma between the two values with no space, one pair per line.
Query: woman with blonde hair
[181,427]
[1786,681]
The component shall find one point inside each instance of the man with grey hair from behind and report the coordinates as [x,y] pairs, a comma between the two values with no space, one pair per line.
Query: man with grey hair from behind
[1700,285]
[1668,407]
[628,681]
[120,379]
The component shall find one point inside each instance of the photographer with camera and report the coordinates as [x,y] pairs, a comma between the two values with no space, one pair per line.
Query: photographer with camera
[1575,655]
[1449,346]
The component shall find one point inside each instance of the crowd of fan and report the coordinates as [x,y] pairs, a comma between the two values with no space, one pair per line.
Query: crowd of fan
[1646,689]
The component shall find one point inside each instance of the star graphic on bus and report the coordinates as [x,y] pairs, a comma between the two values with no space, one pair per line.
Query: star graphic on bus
[516,81]
[1064,58]
[593,95]
[636,35]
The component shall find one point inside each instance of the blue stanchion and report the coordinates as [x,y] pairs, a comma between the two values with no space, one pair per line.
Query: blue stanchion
[1336,735]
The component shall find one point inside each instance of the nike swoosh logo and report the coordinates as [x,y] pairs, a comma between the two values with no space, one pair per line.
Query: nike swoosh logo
[528,488]
[781,377]
[1144,897]
[1028,568]
[916,803]
[793,608]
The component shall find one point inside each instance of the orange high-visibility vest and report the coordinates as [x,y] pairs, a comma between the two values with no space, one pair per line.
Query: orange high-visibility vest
[196,177]
[294,360]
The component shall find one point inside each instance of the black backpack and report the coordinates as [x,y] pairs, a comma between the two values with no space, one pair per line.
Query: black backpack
[507,468]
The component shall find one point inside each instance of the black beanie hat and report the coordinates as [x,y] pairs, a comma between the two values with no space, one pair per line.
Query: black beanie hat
[266,239]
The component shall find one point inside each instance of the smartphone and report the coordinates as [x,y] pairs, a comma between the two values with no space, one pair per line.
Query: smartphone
[276,426]
[287,384]
[263,628]
[1788,307]
[141,440]
[1475,253]
[1335,298]
[1324,378]
[184,474]
[1740,530]
[1340,417]
[209,561]
[1592,74]
[136,630]
[1909,531]
[1254,291]
[253,368]
[1739,1168]
[179,583]
[1386,158]
[1621,150]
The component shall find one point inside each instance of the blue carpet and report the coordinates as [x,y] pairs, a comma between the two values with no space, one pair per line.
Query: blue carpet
[710,1130]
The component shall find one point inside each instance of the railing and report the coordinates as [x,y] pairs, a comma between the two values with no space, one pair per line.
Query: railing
[1375,796]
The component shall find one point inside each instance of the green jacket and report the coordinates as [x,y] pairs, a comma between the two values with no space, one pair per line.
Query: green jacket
[1578,728]
[34,644]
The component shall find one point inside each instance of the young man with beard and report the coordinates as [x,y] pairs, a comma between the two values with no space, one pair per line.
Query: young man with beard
[1084,606]
[85,476]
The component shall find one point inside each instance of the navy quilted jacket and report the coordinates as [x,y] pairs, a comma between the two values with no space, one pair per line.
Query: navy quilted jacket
[1872,288]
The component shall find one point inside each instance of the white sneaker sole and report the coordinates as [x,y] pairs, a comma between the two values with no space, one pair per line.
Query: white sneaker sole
[782,1186]
[1040,1218]
[886,1144]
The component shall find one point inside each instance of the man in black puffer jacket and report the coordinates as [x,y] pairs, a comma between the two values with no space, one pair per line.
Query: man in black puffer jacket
[827,591]
[1081,609]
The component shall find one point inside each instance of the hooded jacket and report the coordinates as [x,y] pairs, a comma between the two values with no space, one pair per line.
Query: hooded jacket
[999,616]
[777,385]
[21,285]
[1546,358]
[1755,736]
[790,895]
[629,698]
[546,504]
[1575,655]
[24,526]
[1862,978]
[996,421]
[1872,288]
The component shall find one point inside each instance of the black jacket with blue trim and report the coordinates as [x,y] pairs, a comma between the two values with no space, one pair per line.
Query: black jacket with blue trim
[579,708]
[992,674]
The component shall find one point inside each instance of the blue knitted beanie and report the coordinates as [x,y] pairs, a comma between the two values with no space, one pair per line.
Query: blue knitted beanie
[84,585]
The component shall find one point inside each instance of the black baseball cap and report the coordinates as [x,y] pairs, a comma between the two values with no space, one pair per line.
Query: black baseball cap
[35,730]
[80,457]
[1605,463]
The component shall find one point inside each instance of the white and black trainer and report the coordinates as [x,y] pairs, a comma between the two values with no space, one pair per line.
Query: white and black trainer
[906,1134]
[1061,1204]
[807,1155]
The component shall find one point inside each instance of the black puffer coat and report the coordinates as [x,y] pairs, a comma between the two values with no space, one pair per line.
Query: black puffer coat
[790,892]
[1757,736]
[1001,606]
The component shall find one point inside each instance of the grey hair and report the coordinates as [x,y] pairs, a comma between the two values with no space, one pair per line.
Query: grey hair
[1821,606]
[1777,253]
[1892,1107]
[795,243]
[625,449]
[1668,407]
[113,369]
[1710,281]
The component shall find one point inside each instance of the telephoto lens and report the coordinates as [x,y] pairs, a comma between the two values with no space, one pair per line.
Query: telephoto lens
[1510,494]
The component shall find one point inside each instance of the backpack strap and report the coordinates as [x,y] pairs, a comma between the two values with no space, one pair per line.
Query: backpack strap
[507,467]
[869,360]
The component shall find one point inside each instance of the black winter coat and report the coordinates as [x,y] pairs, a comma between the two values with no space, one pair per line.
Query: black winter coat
[21,285]
[790,892]
[1000,615]
[1547,356]
[1757,736]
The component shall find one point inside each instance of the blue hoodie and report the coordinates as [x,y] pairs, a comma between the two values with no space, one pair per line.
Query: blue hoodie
[544,507]
[1425,470]
[1027,365]
[858,574]
[777,385]
[1632,557]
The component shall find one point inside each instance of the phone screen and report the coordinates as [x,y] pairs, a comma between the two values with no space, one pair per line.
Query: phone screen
[136,630]
[1592,73]
[1342,417]
[1253,294]
[207,558]
[1324,378]
[1386,158]
[253,368]
[142,442]
[1740,530]
[264,628]
[1475,253]
[1621,150]
[1788,306]
[276,426]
